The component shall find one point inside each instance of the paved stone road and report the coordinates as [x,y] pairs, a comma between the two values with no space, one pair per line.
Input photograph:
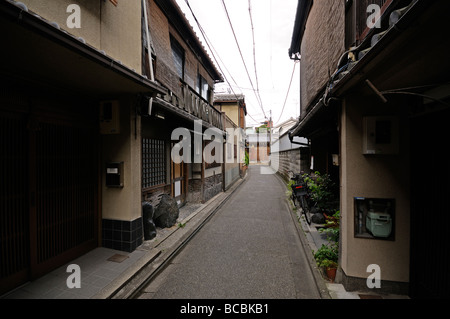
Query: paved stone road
[250,249]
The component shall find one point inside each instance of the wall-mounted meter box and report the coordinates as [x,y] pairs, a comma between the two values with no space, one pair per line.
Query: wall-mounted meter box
[374,218]
[114,175]
[381,135]
[379,224]
[109,117]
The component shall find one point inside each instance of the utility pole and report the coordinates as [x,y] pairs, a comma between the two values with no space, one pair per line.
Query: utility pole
[270,134]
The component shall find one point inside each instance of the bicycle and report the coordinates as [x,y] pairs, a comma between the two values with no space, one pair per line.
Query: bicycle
[300,195]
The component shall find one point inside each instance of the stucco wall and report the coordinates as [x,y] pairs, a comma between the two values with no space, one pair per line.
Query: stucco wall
[232,111]
[116,30]
[232,153]
[321,47]
[123,203]
[374,176]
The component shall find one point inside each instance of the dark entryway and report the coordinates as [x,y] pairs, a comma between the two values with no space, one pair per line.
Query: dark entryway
[48,187]
[430,184]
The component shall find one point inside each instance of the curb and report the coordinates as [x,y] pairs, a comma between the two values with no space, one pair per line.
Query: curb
[308,246]
[129,285]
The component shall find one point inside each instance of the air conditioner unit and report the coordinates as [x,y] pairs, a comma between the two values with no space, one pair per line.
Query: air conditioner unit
[381,135]
[109,117]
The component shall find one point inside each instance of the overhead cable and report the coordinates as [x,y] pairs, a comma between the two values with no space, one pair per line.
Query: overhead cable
[254,48]
[289,89]
[242,57]
[212,50]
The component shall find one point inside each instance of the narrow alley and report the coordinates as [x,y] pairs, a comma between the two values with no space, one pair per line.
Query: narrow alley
[250,249]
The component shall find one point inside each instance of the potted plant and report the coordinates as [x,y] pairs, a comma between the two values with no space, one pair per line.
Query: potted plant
[327,258]
[330,267]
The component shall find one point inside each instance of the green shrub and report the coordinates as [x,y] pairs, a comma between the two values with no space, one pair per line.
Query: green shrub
[332,226]
[322,190]
[327,252]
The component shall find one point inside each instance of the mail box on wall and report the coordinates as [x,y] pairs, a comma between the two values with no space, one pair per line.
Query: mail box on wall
[114,174]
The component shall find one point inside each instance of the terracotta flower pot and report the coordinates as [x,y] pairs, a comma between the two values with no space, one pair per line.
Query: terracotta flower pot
[331,273]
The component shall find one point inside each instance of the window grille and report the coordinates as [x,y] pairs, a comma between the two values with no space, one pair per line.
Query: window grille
[153,163]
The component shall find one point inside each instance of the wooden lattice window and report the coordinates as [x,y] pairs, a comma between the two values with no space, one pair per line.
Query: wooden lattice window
[153,163]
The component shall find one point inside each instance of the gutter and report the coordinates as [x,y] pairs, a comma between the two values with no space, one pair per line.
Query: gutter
[357,72]
[298,143]
[301,123]
[303,9]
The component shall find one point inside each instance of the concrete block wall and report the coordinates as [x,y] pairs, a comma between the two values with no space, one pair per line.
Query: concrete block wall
[297,160]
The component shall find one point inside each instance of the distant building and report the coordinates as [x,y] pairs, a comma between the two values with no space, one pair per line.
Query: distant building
[258,145]
[235,110]
[292,155]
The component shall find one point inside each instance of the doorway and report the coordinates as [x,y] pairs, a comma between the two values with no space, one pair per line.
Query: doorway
[430,188]
[48,191]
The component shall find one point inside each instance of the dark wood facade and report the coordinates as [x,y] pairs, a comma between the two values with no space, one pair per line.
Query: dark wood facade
[51,156]
[49,204]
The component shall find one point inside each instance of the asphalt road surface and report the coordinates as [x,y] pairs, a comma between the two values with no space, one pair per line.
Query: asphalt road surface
[250,249]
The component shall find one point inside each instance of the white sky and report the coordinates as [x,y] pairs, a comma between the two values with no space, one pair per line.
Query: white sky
[273,23]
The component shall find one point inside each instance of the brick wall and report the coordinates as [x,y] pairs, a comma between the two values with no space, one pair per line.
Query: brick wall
[322,45]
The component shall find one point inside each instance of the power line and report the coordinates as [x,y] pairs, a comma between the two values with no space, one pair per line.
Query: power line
[254,48]
[242,57]
[211,48]
[287,94]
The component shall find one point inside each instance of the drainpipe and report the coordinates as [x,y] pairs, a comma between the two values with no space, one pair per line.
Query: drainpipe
[224,150]
[144,7]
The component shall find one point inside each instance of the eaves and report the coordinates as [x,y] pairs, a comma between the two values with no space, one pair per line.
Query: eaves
[375,54]
[373,57]
[40,50]
[303,9]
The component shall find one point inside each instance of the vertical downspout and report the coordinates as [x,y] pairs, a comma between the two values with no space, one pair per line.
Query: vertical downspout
[144,8]
[224,149]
